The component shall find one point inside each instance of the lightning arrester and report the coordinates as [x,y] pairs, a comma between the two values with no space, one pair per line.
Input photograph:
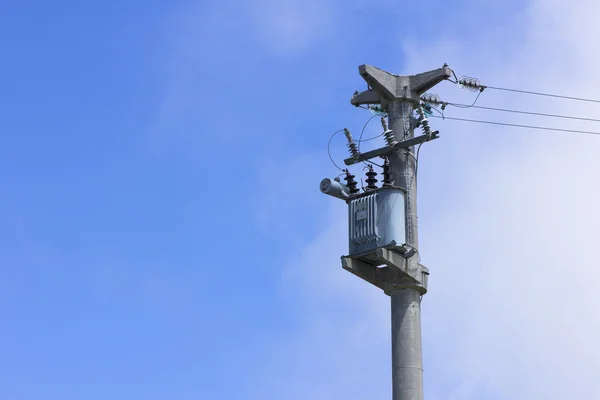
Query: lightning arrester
[351,144]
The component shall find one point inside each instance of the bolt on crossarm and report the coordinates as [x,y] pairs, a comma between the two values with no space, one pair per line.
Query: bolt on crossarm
[383,232]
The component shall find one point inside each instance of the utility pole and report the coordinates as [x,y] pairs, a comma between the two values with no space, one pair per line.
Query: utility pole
[383,234]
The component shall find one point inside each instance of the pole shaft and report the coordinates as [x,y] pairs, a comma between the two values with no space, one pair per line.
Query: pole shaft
[407,359]
[403,164]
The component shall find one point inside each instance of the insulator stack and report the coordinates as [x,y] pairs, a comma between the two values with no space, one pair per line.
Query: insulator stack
[471,84]
[376,109]
[351,144]
[371,178]
[387,172]
[350,182]
[424,122]
[432,99]
[388,134]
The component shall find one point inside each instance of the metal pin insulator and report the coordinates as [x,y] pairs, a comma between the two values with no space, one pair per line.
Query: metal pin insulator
[350,182]
[371,178]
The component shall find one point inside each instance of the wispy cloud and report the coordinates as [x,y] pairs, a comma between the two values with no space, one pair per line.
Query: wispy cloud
[512,248]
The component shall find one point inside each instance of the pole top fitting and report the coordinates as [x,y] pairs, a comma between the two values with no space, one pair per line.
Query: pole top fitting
[385,87]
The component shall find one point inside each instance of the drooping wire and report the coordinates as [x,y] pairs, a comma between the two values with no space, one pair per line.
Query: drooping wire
[410,153]
[544,94]
[465,105]
[439,112]
[329,149]
[362,132]
[524,112]
[521,126]
[360,139]
[453,73]
[372,162]
[417,158]
[371,138]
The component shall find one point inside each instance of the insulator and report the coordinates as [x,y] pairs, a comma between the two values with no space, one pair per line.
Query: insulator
[427,109]
[377,110]
[384,124]
[351,144]
[388,134]
[371,178]
[387,172]
[424,122]
[471,84]
[350,182]
[431,99]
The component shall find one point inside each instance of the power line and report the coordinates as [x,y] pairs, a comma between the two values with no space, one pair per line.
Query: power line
[371,138]
[362,132]
[360,139]
[519,126]
[467,105]
[329,149]
[544,94]
[473,83]
[523,112]
[417,158]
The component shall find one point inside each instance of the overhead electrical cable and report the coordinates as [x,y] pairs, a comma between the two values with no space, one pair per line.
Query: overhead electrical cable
[474,84]
[362,132]
[519,125]
[360,139]
[543,94]
[329,149]
[467,105]
[523,112]
[371,138]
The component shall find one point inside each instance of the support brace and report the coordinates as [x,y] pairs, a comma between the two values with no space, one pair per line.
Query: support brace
[396,274]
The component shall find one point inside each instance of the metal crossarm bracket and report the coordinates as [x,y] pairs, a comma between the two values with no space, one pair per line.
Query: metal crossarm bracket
[386,151]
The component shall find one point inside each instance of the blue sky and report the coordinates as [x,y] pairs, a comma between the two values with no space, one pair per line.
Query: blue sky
[161,230]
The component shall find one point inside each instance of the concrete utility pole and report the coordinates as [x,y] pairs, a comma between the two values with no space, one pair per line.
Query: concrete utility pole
[383,234]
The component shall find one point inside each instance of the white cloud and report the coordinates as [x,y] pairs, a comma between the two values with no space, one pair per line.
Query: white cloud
[513,309]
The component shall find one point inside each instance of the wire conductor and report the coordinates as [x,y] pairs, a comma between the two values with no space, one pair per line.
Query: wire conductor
[524,112]
[329,149]
[544,94]
[521,126]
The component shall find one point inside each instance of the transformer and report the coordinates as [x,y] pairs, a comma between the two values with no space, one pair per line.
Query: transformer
[376,219]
